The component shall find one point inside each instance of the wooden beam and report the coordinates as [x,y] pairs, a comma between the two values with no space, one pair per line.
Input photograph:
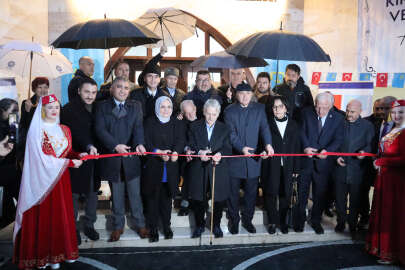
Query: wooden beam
[207,43]
[178,50]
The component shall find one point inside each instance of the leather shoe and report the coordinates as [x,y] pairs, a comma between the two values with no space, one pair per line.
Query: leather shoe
[317,228]
[233,227]
[197,232]
[340,227]
[183,211]
[79,238]
[143,232]
[284,228]
[115,235]
[217,232]
[271,228]
[153,235]
[249,227]
[91,233]
[299,228]
[168,233]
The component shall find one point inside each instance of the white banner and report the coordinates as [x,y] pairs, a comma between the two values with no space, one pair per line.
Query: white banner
[381,36]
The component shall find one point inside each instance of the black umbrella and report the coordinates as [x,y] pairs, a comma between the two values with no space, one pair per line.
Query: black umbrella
[105,34]
[280,45]
[226,60]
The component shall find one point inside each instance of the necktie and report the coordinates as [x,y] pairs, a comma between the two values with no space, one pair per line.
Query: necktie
[385,130]
[121,106]
[319,125]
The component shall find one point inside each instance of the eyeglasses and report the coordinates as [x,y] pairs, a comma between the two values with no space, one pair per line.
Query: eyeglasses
[275,107]
[204,81]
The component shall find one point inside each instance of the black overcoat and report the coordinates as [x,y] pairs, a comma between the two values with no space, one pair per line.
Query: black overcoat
[163,136]
[200,172]
[81,124]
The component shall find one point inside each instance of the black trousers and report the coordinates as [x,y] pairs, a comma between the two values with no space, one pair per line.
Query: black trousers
[200,208]
[249,198]
[277,216]
[319,193]
[364,203]
[158,205]
[342,190]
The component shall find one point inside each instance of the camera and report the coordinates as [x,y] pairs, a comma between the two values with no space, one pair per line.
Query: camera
[13,128]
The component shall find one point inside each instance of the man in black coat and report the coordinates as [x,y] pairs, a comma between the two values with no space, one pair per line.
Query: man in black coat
[349,171]
[209,137]
[78,115]
[176,95]
[85,71]
[294,89]
[119,128]
[203,91]
[382,126]
[151,90]
[227,91]
[248,124]
[321,131]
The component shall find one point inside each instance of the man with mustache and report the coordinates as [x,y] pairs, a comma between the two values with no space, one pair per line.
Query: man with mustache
[294,89]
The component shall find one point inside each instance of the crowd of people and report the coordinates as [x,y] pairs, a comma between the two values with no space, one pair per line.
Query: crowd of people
[235,119]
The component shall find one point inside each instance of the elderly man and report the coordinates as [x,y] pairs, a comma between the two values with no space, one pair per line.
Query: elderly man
[349,171]
[176,95]
[248,124]
[189,114]
[85,71]
[236,76]
[150,90]
[294,89]
[209,137]
[322,131]
[122,70]
[78,115]
[119,128]
[203,90]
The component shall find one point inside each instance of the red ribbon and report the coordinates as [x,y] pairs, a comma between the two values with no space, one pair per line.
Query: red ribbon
[232,156]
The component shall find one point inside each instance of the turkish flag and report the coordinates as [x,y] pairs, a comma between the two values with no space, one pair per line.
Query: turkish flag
[347,77]
[382,80]
[316,77]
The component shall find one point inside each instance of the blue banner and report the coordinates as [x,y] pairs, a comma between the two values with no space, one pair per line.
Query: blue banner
[365,77]
[331,77]
[398,80]
[74,56]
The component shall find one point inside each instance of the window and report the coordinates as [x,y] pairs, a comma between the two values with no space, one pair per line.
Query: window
[137,51]
[215,46]
[194,46]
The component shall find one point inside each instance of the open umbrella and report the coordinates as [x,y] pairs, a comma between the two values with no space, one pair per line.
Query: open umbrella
[170,24]
[31,59]
[105,34]
[226,60]
[279,45]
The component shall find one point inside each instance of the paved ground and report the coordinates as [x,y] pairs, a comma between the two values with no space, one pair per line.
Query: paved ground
[313,255]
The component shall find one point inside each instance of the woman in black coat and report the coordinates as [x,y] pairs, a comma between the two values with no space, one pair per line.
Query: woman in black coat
[278,172]
[163,134]
[209,137]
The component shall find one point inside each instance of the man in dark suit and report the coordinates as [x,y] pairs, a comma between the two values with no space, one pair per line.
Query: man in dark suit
[227,91]
[122,69]
[248,124]
[170,83]
[85,71]
[322,131]
[382,126]
[78,115]
[349,171]
[151,91]
[294,89]
[119,128]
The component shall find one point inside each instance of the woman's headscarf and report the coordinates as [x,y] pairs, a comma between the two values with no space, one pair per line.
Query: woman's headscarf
[41,172]
[157,109]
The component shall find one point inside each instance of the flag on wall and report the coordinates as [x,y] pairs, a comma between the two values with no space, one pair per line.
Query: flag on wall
[382,80]
[365,76]
[347,77]
[316,77]
[398,80]
[331,77]
[280,77]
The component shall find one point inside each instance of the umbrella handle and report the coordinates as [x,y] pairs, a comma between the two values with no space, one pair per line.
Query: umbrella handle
[212,202]
[29,81]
